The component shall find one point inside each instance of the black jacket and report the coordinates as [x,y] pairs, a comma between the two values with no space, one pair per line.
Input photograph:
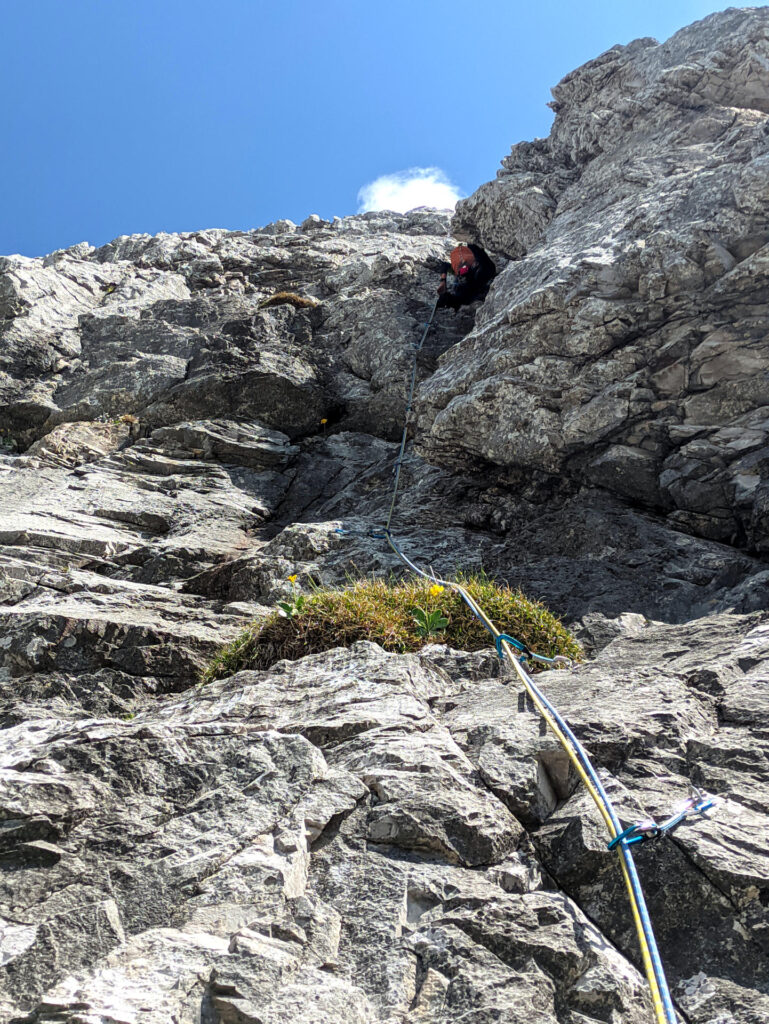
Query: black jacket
[461,291]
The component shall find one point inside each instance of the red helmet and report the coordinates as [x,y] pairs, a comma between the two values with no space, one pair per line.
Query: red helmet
[461,256]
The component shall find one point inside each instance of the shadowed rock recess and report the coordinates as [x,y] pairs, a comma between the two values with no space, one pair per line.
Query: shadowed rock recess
[370,838]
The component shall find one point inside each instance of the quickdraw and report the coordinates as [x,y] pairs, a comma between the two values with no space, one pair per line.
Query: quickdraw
[645,831]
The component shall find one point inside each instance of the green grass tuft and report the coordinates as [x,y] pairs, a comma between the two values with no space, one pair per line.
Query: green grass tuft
[382,611]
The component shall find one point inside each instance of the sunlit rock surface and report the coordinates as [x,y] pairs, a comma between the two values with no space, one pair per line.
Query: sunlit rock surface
[624,346]
[370,837]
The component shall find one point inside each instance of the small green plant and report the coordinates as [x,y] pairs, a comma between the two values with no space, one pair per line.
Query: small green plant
[429,623]
[295,604]
[400,615]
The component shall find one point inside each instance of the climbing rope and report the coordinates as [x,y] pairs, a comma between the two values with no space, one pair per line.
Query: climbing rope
[515,653]
[655,974]
[409,403]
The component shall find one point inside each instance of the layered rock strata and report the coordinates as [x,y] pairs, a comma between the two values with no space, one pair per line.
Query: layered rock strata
[624,345]
[371,837]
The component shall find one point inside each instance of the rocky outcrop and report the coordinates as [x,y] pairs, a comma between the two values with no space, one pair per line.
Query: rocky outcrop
[172,327]
[342,836]
[624,346]
[361,836]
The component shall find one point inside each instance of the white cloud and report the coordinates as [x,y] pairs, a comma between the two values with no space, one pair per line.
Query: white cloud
[402,191]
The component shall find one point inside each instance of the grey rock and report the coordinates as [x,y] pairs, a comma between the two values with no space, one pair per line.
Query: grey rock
[73,444]
[240,444]
[627,316]
[362,836]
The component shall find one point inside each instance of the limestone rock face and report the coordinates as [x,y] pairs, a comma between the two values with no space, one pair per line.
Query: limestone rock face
[173,327]
[624,345]
[188,420]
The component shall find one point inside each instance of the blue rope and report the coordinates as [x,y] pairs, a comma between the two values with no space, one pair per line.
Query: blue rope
[627,857]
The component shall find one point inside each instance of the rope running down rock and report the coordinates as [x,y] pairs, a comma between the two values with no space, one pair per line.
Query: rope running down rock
[515,654]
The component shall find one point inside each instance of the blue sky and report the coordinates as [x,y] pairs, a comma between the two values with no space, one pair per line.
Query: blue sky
[123,116]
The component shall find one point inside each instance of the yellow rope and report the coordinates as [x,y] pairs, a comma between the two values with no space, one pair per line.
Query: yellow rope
[663,1017]
[659,1008]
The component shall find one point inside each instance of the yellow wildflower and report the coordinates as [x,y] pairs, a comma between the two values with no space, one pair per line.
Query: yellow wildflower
[436,589]
[322,422]
[293,579]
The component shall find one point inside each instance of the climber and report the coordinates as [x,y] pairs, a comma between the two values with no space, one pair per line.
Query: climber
[466,277]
